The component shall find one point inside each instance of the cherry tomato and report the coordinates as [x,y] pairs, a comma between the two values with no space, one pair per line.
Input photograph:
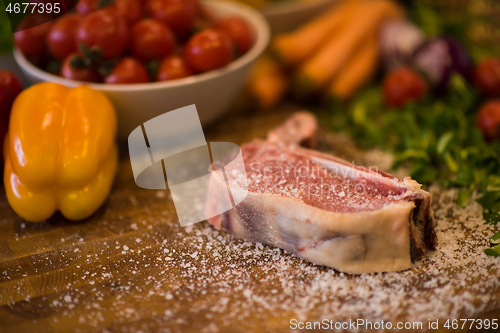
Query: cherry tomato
[209,49]
[239,31]
[401,86]
[86,7]
[151,39]
[488,120]
[179,15]
[173,67]
[130,10]
[104,30]
[128,70]
[61,37]
[31,41]
[487,76]
[10,87]
[68,71]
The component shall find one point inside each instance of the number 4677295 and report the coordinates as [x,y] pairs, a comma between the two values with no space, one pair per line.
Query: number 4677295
[33,7]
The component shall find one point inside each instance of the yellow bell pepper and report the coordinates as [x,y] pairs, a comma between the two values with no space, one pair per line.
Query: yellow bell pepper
[60,152]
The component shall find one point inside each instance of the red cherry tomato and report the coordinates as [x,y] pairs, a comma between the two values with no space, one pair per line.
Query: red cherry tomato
[239,31]
[173,67]
[130,10]
[487,76]
[61,37]
[10,87]
[128,70]
[209,49]
[179,15]
[86,7]
[488,120]
[151,39]
[104,30]
[31,42]
[401,86]
[68,71]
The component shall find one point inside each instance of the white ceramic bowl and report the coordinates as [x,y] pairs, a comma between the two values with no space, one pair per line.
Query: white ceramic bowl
[287,15]
[213,92]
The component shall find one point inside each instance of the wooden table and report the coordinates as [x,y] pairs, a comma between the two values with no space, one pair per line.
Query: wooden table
[131,267]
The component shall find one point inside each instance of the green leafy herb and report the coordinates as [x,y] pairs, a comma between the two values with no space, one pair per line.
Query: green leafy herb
[463,198]
[491,218]
[427,18]
[490,201]
[493,251]
[495,239]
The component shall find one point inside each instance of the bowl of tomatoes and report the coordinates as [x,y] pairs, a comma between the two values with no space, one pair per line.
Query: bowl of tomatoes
[177,53]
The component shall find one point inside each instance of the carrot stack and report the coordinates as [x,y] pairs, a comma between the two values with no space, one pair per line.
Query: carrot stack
[336,52]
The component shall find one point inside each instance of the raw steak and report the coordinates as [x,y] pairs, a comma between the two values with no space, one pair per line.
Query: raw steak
[324,209]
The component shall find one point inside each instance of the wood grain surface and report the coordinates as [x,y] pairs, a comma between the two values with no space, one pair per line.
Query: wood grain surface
[110,273]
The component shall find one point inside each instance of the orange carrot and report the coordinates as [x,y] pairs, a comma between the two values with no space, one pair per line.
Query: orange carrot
[336,51]
[267,82]
[296,46]
[357,71]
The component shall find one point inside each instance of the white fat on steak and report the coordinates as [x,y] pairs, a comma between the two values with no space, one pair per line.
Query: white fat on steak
[324,209]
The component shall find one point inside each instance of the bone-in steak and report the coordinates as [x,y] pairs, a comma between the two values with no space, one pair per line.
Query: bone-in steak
[324,209]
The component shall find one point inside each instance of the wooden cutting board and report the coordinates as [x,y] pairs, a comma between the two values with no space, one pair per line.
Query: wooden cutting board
[132,268]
